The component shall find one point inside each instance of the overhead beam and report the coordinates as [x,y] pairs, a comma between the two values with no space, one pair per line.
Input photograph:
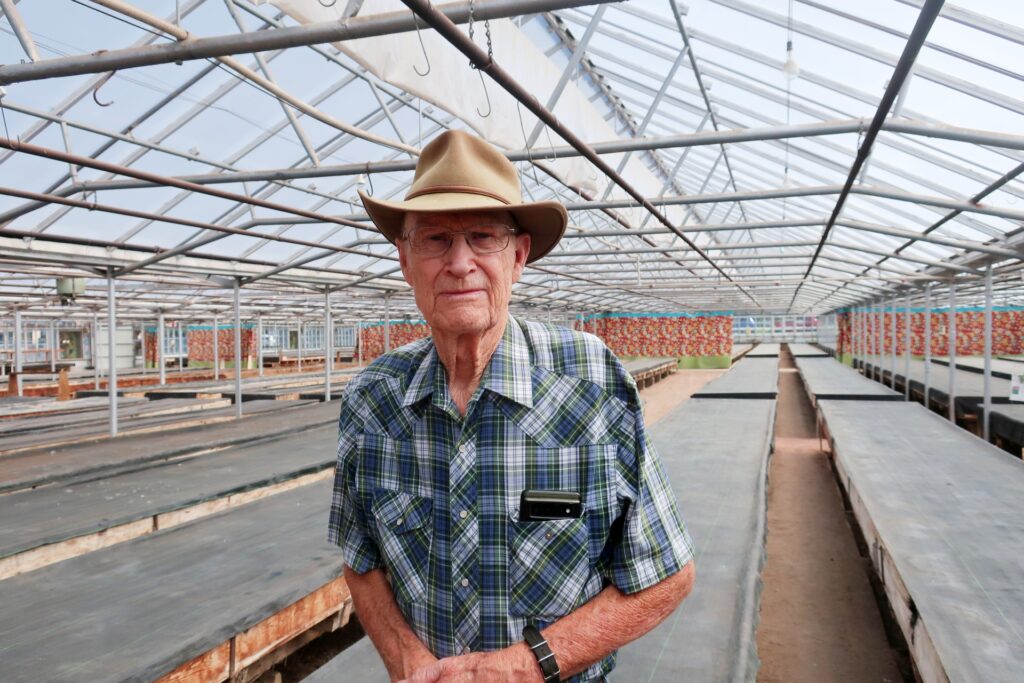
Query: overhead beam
[737,135]
[190,48]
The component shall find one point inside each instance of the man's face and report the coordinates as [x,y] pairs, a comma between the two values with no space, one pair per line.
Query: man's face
[462,292]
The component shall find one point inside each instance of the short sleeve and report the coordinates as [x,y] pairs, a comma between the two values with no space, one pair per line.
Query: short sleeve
[346,526]
[654,542]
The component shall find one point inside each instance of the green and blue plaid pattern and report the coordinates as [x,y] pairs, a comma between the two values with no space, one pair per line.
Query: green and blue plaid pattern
[433,497]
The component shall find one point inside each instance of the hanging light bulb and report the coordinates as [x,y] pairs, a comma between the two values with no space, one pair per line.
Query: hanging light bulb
[790,68]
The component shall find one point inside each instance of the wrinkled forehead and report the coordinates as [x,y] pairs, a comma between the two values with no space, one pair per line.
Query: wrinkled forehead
[456,220]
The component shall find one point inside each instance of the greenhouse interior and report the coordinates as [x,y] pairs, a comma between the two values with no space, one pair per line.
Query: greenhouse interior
[790,257]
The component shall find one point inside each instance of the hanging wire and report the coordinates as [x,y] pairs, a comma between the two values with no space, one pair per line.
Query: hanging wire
[789,109]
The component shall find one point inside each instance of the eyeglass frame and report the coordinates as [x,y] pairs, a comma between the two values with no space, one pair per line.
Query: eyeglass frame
[512,230]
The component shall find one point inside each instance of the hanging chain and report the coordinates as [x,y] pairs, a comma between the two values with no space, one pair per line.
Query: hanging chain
[487,33]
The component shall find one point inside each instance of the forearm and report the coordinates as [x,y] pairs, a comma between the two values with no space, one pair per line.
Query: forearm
[399,647]
[613,619]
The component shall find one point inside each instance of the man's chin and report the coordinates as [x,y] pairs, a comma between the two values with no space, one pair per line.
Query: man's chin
[459,322]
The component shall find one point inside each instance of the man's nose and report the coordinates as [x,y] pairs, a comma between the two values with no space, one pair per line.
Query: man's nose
[460,258]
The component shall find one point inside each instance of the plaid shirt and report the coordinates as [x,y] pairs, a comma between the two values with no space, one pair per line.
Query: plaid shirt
[433,497]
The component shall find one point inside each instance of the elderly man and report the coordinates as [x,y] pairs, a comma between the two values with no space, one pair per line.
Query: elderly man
[501,512]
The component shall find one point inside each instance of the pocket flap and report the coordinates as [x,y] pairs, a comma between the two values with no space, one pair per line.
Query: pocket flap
[400,510]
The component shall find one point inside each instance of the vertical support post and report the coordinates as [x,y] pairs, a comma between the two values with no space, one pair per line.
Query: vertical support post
[927,345]
[952,352]
[95,349]
[328,344]
[145,356]
[17,350]
[880,331]
[892,341]
[259,344]
[182,353]
[160,337]
[359,342]
[238,350]
[216,347]
[52,332]
[906,347]
[111,354]
[300,346]
[387,322]
[987,402]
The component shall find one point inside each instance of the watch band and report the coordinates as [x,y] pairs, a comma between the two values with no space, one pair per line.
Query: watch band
[545,657]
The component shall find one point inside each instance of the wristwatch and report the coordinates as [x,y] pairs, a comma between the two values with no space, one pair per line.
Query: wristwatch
[545,657]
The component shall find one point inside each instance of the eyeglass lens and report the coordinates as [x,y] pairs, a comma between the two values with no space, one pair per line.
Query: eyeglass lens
[482,239]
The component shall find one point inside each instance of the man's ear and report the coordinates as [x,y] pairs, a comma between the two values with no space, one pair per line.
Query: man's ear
[523,242]
[403,259]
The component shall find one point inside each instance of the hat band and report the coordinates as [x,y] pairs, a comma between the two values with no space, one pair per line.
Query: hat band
[461,189]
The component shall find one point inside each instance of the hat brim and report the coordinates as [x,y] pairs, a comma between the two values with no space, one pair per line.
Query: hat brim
[544,221]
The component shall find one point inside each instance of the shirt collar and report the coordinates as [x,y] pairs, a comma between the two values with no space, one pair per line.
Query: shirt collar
[507,374]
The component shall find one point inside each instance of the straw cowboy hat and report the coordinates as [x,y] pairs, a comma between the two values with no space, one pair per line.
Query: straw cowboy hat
[459,172]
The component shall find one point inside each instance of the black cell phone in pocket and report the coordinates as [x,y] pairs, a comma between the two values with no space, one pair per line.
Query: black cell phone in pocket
[538,506]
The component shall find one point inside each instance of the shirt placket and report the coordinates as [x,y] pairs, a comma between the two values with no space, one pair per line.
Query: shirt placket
[465,545]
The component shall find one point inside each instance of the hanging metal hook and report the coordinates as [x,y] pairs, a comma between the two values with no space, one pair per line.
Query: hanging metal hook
[324,4]
[96,90]
[419,36]
[369,178]
[487,96]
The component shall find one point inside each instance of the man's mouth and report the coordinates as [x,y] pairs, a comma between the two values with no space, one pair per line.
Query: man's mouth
[461,293]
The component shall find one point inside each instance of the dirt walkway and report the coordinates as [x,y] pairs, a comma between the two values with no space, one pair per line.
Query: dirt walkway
[819,619]
[662,397]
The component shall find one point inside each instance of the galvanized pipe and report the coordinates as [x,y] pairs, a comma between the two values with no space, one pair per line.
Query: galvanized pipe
[952,352]
[906,347]
[111,350]
[259,344]
[17,350]
[893,343]
[987,400]
[216,346]
[160,341]
[929,13]
[94,344]
[22,33]
[189,48]
[328,344]
[238,351]
[927,344]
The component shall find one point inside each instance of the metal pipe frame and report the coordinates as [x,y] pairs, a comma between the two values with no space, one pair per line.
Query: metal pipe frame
[190,48]
[952,352]
[112,351]
[238,351]
[484,63]
[906,346]
[987,391]
[927,344]
[160,344]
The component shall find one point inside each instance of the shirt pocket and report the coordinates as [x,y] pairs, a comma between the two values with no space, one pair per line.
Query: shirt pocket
[549,566]
[405,529]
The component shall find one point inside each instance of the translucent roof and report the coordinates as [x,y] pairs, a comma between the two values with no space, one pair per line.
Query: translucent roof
[183,176]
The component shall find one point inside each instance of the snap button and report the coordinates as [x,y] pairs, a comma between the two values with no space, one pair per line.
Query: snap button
[549,535]
[463,514]
[465,583]
[399,522]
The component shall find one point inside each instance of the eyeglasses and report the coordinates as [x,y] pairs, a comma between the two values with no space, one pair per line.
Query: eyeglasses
[429,240]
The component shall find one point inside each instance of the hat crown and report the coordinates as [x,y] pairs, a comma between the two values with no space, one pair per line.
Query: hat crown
[456,161]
